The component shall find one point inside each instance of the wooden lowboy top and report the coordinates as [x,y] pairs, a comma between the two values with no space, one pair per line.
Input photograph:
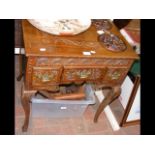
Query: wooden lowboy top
[38,43]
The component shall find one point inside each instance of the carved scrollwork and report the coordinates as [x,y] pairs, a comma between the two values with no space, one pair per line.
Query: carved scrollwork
[42,61]
[98,73]
[68,42]
[56,41]
[81,61]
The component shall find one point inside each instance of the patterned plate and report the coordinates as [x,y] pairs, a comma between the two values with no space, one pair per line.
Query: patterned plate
[112,42]
[102,24]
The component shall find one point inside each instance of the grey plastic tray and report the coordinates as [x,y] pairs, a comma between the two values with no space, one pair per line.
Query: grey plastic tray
[62,108]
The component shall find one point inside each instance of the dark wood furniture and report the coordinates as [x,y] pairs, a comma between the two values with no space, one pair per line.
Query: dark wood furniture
[121,23]
[19,43]
[54,60]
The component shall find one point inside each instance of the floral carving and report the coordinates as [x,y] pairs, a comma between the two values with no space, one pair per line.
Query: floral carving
[45,76]
[82,74]
[116,74]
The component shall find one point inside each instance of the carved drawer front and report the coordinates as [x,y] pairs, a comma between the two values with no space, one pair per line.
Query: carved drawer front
[83,74]
[115,74]
[46,76]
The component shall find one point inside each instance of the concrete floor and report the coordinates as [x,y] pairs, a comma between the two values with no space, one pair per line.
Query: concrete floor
[83,125]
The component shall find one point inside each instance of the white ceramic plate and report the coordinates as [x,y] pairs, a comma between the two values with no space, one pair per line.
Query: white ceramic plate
[62,26]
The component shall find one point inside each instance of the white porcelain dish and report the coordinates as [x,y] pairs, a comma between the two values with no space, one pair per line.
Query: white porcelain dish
[62,26]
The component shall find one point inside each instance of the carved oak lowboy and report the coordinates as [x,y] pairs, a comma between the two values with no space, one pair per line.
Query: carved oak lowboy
[53,60]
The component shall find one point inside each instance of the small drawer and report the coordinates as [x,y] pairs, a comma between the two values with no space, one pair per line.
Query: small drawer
[78,73]
[115,74]
[46,76]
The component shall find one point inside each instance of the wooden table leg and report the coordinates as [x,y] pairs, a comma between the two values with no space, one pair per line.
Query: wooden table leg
[112,95]
[25,99]
[21,73]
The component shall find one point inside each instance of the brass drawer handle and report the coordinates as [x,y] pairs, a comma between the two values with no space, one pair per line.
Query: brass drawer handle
[115,75]
[84,74]
[46,78]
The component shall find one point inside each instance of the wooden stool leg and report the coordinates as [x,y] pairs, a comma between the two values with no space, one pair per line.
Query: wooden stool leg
[25,99]
[113,94]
